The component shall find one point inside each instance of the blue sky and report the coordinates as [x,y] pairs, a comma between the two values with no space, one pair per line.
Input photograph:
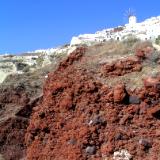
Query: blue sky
[34,24]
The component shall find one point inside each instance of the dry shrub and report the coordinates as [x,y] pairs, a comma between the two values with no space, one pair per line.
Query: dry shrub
[109,48]
[142,45]
[131,41]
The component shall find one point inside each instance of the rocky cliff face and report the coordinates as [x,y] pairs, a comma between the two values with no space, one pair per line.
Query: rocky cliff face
[19,94]
[101,102]
[16,102]
[99,105]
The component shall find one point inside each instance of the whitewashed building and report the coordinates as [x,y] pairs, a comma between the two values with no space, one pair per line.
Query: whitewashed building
[146,30]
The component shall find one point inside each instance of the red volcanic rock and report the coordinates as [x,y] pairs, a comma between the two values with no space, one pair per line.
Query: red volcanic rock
[66,102]
[81,118]
[144,53]
[76,55]
[154,111]
[151,82]
[15,110]
[140,53]
[121,67]
[119,93]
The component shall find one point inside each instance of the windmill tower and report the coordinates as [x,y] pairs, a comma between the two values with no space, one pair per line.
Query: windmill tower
[130,14]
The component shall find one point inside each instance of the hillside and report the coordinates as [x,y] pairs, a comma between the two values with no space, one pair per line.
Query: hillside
[31,61]
[102,102]
[19,93]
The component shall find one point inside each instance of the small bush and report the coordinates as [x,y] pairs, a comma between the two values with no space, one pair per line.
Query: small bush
[158,40]
[155,57]
[26,69]
[130,41]
[142,45]
[39,61]
[20,66]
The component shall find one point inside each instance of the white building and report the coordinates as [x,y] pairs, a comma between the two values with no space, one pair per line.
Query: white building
[132,20]
[146,30]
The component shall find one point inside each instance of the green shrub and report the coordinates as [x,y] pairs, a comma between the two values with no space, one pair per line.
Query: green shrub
[20,66]
[39,61]
[26,69]
[158,40]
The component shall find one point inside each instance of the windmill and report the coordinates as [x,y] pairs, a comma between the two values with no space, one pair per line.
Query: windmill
[129,13]
[131,16]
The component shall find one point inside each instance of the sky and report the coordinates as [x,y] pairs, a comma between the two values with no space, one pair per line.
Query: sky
[27,25]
